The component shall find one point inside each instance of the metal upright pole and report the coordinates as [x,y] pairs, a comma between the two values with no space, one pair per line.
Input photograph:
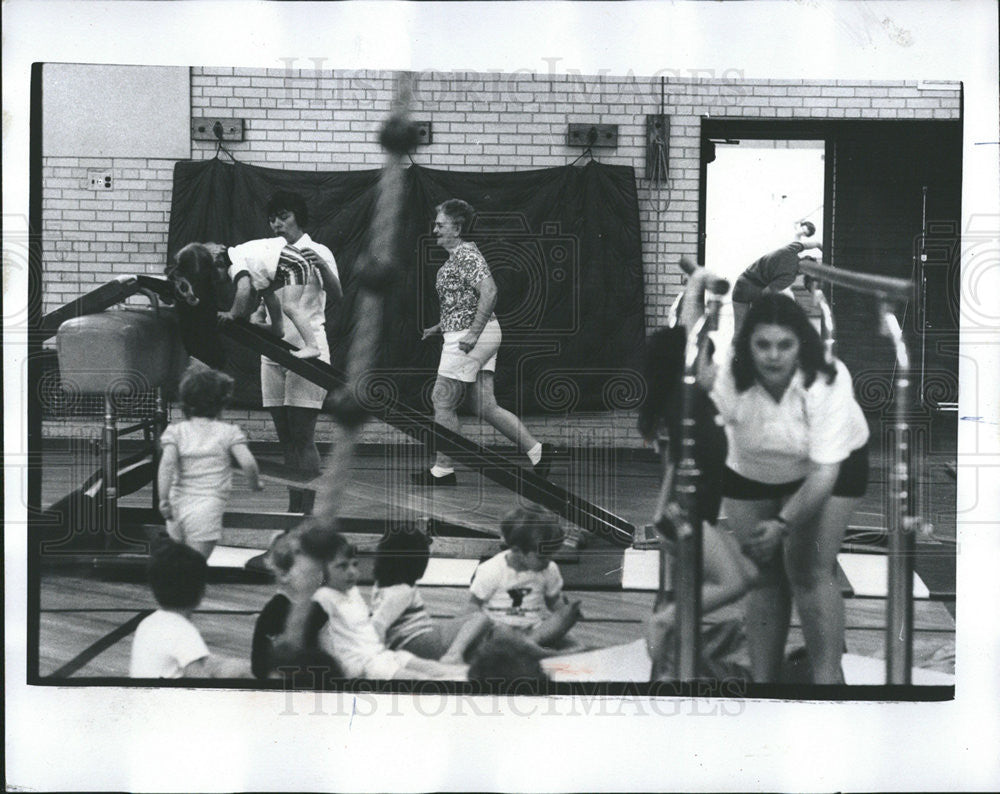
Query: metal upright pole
[109,463]
[687,573]
[157,426]
[901,520]
[687,570]
[922,281]
[827,329]
[902,540]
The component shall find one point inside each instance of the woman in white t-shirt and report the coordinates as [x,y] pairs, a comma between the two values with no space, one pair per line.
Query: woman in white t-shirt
[293,401]
[796,466]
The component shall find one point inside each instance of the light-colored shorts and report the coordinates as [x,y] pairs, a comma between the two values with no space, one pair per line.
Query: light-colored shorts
[386,664]
[196,518]
[279,386]
[466,366]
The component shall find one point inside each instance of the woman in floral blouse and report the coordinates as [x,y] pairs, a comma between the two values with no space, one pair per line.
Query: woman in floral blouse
[468,294]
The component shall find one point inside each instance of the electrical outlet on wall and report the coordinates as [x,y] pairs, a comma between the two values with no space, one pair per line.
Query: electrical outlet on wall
[100,180]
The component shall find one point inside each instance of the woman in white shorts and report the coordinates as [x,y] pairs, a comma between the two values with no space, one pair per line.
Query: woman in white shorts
[467,294]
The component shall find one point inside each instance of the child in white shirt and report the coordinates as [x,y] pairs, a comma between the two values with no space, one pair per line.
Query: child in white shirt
[271,267]
[265,268]
[279,646]
[350,636]
[167,644]
[291,263]
[522,587]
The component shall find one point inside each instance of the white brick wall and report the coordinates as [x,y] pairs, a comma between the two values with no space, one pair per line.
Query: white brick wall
[322,120]
[91,236]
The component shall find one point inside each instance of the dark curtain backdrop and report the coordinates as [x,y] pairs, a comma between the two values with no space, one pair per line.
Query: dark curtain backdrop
[880,173]
[563,245]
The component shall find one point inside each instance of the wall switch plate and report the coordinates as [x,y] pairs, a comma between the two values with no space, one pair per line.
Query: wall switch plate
[204,129]
[100,179]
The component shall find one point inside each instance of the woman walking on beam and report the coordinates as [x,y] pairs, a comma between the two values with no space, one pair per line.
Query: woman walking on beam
[468,294]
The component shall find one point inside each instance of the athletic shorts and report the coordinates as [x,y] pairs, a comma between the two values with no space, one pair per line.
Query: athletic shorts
[386,664]
[196,518]
[280,387]
[466,366]
[852,481]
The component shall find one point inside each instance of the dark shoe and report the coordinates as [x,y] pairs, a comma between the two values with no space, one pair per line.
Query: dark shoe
[424,477]
[544,464]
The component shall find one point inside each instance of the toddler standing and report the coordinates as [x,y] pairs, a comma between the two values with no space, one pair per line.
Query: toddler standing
[195,475]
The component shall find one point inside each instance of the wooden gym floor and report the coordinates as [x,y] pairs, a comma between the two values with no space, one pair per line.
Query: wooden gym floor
[86,617]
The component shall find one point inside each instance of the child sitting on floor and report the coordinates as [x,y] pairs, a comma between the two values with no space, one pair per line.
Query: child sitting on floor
[522,587]
[277,644]
[398,610]
[350,636]
[195,473]
[166,643]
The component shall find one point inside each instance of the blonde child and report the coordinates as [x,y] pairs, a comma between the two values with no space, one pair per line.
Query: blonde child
[195,475]
[350,636]
[522,587]
[167,644]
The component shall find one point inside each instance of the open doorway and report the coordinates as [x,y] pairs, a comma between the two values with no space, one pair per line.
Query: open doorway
[756,191]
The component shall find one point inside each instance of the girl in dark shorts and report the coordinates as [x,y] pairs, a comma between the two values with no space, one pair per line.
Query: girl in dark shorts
[796,465]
